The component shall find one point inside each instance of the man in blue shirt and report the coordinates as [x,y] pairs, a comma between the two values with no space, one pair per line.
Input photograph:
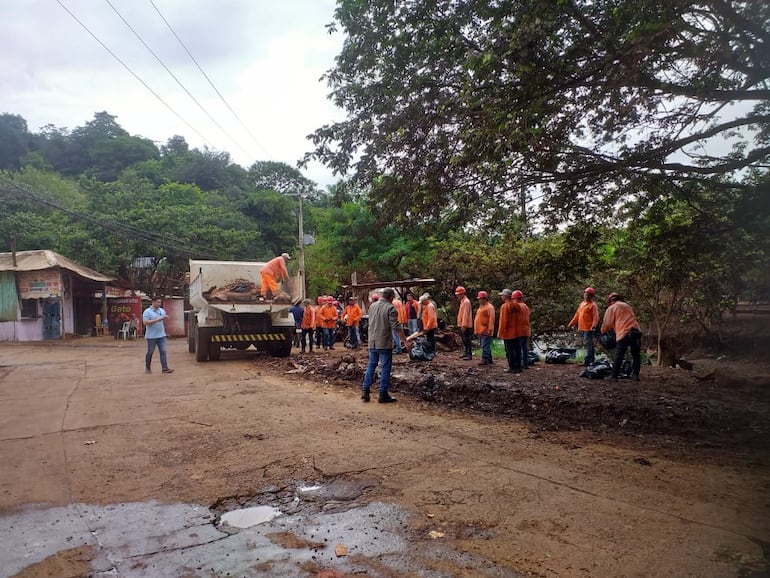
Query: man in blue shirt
[155,334]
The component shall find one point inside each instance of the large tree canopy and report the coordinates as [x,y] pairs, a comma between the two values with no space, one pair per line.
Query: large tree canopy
[466,102]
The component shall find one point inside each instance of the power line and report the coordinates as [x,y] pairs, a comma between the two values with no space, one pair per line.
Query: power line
[115,56]
[124,230]
[222,98]
[179,82]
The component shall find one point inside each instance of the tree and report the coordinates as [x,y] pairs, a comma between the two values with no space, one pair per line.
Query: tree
[281,178]
[14,141]
[462,101]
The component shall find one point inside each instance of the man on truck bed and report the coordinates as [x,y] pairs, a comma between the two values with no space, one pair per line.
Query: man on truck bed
[274,271]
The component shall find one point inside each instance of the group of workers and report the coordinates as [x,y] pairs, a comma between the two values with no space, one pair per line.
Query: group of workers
[514,328]
[318,324]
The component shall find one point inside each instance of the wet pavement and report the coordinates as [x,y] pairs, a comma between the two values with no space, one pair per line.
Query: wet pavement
[149,539]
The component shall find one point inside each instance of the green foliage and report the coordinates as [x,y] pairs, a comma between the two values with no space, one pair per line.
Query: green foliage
[452,107]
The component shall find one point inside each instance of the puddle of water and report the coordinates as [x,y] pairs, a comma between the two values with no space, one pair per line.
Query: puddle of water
[248,517]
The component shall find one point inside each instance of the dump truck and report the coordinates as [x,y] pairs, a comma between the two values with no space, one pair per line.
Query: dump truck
[229,312]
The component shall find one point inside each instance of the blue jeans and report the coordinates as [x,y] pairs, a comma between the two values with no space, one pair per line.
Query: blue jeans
[353,338]
[412,326]
[160,343]
[397,341]
[486,347]
[385,358]
[588,341]
[328,336]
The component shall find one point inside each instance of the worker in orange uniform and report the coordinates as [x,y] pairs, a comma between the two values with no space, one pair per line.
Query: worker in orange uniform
[525,329]
[509,330]
[328,319]
[274,271]
[465,322]
[586,319]
[308,325]
[484,326]
[621,319]
[319,330]
[401,310]
[352,316]
[429,319]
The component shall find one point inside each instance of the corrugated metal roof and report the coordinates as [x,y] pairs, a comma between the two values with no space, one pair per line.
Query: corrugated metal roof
[45,259]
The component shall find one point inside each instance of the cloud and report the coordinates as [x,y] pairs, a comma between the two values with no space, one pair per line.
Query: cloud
[265,58]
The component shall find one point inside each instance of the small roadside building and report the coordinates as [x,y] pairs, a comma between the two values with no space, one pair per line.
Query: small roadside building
[44,295]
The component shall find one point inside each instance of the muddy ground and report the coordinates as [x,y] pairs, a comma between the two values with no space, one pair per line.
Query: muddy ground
[721,402]
[474,472]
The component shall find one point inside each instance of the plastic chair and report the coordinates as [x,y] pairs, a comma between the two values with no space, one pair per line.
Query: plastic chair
[125,330]
[100,327]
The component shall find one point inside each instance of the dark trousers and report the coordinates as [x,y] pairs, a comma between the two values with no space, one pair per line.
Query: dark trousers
[524,346]
[632,341]
[467,335]
[307,339]
[430,337]
[513,353]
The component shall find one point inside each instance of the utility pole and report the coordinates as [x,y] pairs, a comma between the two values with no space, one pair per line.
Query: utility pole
[301,251]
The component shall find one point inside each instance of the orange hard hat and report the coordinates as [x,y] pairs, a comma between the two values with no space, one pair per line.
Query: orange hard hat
[375,297]
[517,294]
[460,290]
[482,295]
[590,291]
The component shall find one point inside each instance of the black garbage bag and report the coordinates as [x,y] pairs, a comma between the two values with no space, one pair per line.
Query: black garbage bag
[608,340]
[422,350]
[557,356]
[532,357]
[598,369]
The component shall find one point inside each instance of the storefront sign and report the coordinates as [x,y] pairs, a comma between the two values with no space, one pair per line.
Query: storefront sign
[39,284]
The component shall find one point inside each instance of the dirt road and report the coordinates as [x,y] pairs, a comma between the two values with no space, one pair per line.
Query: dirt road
[100,460]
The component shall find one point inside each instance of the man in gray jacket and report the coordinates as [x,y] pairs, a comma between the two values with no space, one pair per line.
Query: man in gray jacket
[383,322]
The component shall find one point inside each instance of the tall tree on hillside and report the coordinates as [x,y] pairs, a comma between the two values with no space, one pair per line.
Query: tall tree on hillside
[281,178]
[463,101]
[14,141]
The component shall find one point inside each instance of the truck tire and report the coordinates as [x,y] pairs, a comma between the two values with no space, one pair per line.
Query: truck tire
[282,348]
[201,344]
[215,350]
[192,329]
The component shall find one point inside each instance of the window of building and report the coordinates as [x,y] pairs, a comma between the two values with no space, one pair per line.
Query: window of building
[29,308]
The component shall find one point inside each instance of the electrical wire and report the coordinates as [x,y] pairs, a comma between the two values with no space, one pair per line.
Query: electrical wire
[179,82]
[222,98]
[134,74]
[123,230]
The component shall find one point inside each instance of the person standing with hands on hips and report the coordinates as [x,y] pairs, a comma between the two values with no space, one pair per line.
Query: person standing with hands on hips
[154,318]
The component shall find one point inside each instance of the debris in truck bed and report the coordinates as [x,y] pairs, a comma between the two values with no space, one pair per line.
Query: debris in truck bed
[239,290]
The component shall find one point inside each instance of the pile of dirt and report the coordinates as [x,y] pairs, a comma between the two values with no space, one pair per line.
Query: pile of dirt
[716,405]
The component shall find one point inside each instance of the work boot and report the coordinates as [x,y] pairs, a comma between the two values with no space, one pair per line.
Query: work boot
[168,370]
[365,396]
[485,362]
[385,398]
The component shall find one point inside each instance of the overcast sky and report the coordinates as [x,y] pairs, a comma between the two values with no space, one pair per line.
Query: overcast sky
[266,58]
